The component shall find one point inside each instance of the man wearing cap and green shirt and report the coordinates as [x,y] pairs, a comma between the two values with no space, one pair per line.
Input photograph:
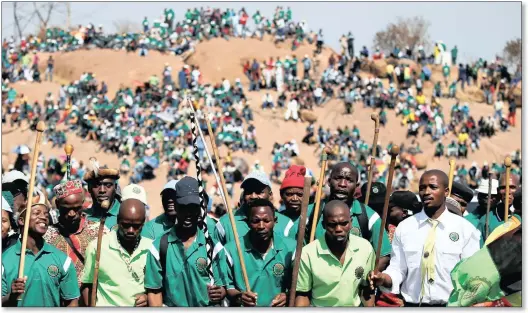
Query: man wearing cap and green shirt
[163,222]
[482,197]
[366,222]
[268,259]
[49,275]
[123,256]
[256,186]
[334,268]
[103,186]
[176,273]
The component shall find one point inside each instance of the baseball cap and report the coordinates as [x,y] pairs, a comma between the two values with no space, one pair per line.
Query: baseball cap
[134,191]
[171,185]
[187,191]
[259,176]
[377,193]
[14,175]
[462,191]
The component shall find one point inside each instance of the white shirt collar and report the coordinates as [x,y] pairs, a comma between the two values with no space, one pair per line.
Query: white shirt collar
[442,219]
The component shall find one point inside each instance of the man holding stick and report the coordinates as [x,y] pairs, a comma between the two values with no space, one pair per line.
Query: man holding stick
[102,187]
[482,196]
[334,267]
[256,186]
[426,247]
[49,275]
[74,231]
[176,271]
[366,223]
[268,258]
[123,256]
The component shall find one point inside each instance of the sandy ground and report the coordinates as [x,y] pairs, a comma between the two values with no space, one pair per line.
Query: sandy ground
[218,59]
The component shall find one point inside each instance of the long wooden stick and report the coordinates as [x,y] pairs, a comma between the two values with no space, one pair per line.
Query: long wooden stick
[219,163]
[300,238]
[41,126]
[318,194]
[507,163]
[68,149]
[395,150]
[488,206]
[375,118]
[93,301]
[452,164]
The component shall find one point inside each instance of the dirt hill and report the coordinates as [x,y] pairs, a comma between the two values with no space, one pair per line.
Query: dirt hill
[218,59]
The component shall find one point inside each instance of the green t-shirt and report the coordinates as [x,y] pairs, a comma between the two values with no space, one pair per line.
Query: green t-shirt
[446,70]
[496,218]
[224,233]
[186,278]
[473,218]
[268,275]
[155,228]
[51,276]
[374,223]
[294,230]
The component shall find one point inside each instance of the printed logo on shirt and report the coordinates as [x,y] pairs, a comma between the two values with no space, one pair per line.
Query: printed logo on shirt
[359,272]
[474,286]
[454,236]
[355,231]
[53,271]
[278,269]
[201,265]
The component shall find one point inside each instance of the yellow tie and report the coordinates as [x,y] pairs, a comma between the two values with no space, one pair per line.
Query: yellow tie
[428,257]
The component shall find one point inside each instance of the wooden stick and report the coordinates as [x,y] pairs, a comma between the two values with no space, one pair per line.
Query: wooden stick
[395,150]
[68,149]
[375,118]
[105,205]
[318,194]
[488,206]
[300,238]
[507,163]
[452,164]
[41,126]
[219,163]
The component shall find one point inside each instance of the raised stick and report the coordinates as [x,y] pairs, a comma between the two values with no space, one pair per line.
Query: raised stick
[41,126]
[507,163]
[395,150]
[452,164]
[488,206]
[300,237]
[219,163]
[318,194]
[375,118]
[68,149]
[105,205]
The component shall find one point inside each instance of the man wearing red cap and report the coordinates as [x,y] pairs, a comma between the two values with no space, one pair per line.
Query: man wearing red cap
[74,231]
[291,192]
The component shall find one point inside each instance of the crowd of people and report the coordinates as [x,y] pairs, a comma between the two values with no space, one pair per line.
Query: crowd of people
[187,256]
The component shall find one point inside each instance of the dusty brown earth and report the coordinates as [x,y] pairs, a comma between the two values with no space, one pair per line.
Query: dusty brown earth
[218,59]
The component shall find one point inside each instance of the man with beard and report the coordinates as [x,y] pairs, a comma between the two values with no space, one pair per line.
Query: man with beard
[17,183]
[333,269]
[49,275]
[268,258]
[496,217]
[74,231]
[482,196]
[176,272]
[163,222]
[256,186]
[366,223]
[123,256]
[291,192]
[426,248]
[102,186]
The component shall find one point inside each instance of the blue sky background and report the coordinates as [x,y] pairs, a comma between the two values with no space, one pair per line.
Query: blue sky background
[479,29]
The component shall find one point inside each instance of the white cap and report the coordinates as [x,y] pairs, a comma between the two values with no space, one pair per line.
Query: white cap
[484,184]
[11,176]
[134,191]
[171,185]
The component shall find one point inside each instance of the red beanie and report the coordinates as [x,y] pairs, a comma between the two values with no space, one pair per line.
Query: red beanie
[294,177]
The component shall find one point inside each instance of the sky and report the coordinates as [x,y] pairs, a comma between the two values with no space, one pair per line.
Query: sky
[479,29]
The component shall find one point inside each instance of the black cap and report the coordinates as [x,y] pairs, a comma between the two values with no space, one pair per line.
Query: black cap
[377,193]
[187,191]
[462,191]
[406,200]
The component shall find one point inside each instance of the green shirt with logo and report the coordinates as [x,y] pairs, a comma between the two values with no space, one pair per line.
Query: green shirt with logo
[268,274]
[155,228]
[51,276]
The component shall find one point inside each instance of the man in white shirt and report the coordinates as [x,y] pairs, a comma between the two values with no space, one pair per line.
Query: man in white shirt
[426,247]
